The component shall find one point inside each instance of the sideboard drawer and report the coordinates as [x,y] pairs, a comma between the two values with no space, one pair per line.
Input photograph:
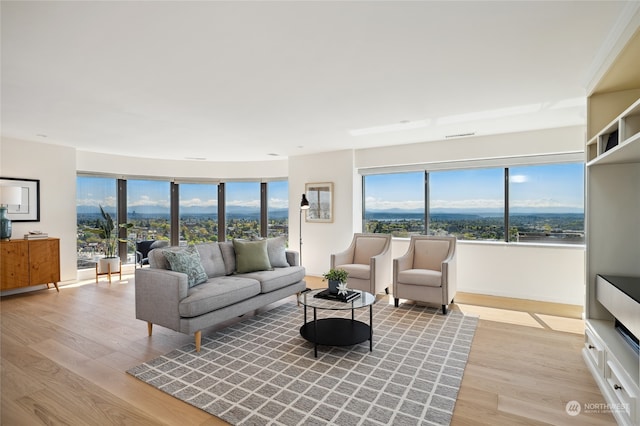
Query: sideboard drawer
[625,393]
[595,349]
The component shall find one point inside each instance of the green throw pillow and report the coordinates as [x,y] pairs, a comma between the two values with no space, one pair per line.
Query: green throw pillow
[251,256]
[187,261]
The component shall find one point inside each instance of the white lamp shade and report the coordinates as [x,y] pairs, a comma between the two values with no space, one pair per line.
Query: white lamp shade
[10,195]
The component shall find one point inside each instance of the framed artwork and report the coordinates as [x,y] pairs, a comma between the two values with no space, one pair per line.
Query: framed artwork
[29,209]
[320,196]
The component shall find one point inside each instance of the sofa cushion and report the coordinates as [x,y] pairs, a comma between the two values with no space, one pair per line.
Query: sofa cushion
[251,256]
[157,259]
[229,257]
[188,262]
[276,249]
[217,293]
[211,258]
[425,277]
[277,278]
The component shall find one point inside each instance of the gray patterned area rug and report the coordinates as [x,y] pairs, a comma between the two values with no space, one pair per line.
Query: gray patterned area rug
[262,372]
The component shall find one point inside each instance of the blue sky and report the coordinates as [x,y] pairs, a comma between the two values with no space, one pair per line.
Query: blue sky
[150,195]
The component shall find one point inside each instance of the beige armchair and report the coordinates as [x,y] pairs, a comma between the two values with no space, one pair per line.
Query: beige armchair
[368,262]
[427,271]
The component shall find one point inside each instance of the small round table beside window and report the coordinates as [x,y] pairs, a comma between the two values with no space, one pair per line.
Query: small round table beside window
[336,331]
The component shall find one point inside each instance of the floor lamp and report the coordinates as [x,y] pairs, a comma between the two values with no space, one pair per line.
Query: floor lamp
[304,205]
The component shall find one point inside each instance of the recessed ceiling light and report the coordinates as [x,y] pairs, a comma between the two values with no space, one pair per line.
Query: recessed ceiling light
[195,158]
[273,154]
[41,135]
[459,135]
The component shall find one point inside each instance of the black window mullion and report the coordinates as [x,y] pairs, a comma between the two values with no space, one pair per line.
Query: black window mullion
[427,217]
[222,231]
[121,208]
[506,204]
[263,209]
[174,213]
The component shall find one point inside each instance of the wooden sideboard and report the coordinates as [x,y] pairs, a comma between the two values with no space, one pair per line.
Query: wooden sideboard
[25,263]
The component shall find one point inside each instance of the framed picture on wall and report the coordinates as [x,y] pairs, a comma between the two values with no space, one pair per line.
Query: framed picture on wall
[29,209]
[320,196]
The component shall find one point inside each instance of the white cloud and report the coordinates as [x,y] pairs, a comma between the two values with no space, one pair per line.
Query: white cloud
[518,178]
[545,203]
[278,203]
[243,203]
[106,202]
[197,202]
[146,201]
[468,204]
[376,204]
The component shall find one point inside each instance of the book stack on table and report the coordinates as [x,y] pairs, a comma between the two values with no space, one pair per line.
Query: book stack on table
[350,296]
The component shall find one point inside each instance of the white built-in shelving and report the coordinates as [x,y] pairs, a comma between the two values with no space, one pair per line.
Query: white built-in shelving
[627,150]
[612,223]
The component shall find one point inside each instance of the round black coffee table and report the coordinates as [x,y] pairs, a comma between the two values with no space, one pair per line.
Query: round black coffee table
[336,331]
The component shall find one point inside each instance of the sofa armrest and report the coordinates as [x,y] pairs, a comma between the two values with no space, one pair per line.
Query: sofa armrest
[158,296]
[403,262]
[342,258]
[293,257]
[381,271]
[449,278]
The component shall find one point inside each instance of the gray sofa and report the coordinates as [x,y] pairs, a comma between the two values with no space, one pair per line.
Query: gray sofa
[169,298]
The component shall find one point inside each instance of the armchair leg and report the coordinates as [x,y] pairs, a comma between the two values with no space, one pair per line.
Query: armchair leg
[396,302]
[149,327]
[386,290]
[444,309]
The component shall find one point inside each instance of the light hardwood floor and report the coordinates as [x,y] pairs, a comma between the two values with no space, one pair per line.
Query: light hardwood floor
[64,357]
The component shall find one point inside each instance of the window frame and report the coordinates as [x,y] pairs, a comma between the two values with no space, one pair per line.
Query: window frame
[538,160]
[121,182]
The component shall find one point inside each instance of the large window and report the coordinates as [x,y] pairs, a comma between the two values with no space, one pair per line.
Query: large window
[394,203]
[193,218]
[242,207]
[91,193]
[148,209]
[546,203]
[278,208]
[467,203]
[198,213]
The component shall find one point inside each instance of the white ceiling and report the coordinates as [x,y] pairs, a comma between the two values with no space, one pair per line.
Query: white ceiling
[229,81]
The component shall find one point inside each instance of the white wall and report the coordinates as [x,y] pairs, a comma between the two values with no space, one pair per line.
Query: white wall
[534,143]
[533,272]
[55,167]
[321,239]
[538,272]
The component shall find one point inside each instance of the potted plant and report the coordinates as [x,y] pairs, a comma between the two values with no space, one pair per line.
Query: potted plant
[106,229]
[335,278]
